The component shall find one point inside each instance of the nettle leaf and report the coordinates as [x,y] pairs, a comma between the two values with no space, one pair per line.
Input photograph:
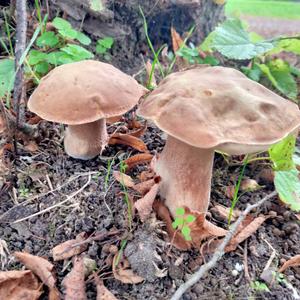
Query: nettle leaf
[83,39]
[53,58]
[77,52]
[177,223]
[35,57]
[68,33]
[287,185]
[289,45]
[233,41]
[281,154]
[180,211]
[48,39]
[253,73]
[279,73]
[42,68]
[106,42]
[190,218]
[61,24]
[7,71]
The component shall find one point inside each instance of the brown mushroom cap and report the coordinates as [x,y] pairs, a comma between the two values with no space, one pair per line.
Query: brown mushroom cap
[83,92]
[220,108]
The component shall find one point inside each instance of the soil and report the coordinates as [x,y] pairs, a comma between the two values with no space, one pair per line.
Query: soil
[40,179]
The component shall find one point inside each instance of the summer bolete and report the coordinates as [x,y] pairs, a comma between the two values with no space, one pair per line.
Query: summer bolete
[82,95]
[207,109]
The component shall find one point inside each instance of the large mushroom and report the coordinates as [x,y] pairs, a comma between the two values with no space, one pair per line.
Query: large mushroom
[207,109]
[82,95]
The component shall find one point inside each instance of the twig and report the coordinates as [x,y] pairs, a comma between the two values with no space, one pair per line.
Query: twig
[57,204]
[19,89]
[220,250]
[246,269]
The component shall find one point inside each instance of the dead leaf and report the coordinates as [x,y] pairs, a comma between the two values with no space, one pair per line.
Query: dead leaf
[292,262]
[144,205]
[137,160]
[297,216]
[42,268]
[247,231]
[34,120]
[69,248]
[146,175]
[2,124]
[177,239]
[122,272]
[114,119]
[102,292]
[123,179]
[31,146]
[128,140]
[74,282]
[249,185]
[16,285]
[140,131]
[144,187]
[223,212]
[176,40]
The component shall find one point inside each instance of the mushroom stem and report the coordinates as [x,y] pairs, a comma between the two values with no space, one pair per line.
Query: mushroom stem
[185,173]
[86,141]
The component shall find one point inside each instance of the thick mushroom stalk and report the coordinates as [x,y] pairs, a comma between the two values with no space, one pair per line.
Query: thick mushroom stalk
[185,173]
[86,141]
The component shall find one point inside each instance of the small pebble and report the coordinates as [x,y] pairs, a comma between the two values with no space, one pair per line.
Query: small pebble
[234,273]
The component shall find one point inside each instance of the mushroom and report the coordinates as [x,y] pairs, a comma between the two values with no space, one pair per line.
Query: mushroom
[82,95]
[207,109]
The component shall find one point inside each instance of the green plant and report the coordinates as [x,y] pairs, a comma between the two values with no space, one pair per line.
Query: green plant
[103,46]
[259,286]
[23,191]
[108,173]
[182,222]
[123,168]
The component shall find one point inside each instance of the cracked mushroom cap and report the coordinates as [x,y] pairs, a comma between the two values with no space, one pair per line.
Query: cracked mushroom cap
[220,108]
[83,92]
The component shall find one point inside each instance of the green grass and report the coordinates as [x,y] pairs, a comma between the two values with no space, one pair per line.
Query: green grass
[265,8]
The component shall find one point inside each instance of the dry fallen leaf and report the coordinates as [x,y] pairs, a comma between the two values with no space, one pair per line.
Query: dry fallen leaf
[245,232]
[42,268]
[74,282]
[31,146]
[122,272]
[297,216]
[292,262]
[177,239]
[144,205]
[114,119]
[123,179]
[140,131]
[102,292]
[2,124]
[249,185]
[176,40]
[70,248]
[144,187]
[146,175]
[128,140]
[223,212]
[137,160]
[19,285]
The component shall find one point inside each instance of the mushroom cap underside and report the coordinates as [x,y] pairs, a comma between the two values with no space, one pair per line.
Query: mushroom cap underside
[83,92]
[220,108]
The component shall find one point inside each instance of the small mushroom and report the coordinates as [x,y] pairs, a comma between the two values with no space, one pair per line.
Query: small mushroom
[82,95]
[207,109]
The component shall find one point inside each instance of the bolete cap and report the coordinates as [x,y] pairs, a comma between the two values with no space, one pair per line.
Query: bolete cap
[83,92]
[220,108]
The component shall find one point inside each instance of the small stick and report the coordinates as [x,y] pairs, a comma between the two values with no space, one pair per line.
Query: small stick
[220,250]
[246,269]
[55,205]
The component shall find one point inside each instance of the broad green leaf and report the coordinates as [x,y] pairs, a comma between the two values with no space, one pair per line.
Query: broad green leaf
[280,76]
[177,223]
[35,56]
[289,45]
[190,218]
[83,39]
[186,231]
[206,45]
[68,33]
[180,211]
[281,154]
[42,68]
[7,70]
[233,41]
[106,42]
[96,5]
[253,73]
[295,71]
[100,49]
[77,52]
[53,58]
[210,60]
[48,39]
[296,156]
[61,24]
[66,59]
[287,185]
[255,37]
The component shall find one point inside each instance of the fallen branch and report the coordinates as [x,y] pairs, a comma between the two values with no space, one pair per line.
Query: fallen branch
[220,250]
